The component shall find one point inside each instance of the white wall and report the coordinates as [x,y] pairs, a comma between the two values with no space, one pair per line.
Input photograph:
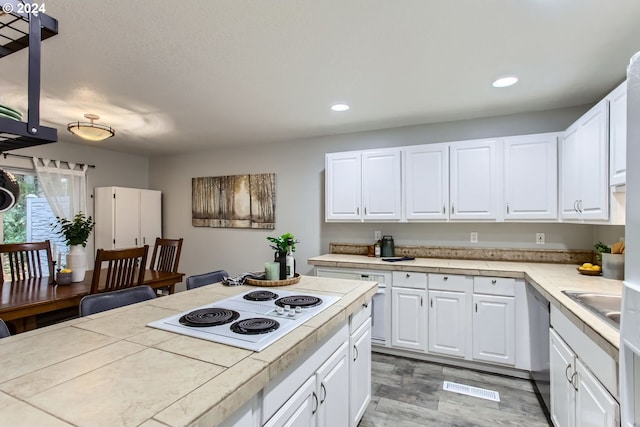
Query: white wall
[299,168]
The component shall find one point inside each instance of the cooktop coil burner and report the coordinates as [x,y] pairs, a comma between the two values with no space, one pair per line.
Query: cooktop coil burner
[212,316]
[260,296]
[255,326]
[303,301]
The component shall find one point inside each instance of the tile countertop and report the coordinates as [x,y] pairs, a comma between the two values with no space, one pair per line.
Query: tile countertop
[110,369]
[549,279]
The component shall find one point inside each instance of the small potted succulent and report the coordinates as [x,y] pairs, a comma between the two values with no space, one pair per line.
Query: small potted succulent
[281,245]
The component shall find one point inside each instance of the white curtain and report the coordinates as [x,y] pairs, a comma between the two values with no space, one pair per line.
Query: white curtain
[64,185]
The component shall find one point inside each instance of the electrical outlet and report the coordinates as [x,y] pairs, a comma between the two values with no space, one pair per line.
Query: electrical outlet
[540,238]
[474,237]
[377,235]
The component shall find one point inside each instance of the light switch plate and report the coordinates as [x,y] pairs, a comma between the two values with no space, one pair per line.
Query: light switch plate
[474,237]
[540,238]
[377,235]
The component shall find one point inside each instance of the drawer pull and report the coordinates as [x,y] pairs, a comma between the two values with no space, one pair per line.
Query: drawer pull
[446,278]
[494,281]
[408,275]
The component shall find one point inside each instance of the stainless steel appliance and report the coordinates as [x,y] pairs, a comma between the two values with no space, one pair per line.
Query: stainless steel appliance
[539,332]
[629,330]
[252,320]
[380,302]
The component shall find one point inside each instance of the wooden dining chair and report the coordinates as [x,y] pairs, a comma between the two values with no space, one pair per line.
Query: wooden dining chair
[166,256]
[125,268]
[27,260]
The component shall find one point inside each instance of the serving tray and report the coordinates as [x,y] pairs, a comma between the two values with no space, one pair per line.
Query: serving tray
[269,283]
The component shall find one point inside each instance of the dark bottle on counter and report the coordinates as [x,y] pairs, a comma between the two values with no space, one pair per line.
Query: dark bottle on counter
[290,263]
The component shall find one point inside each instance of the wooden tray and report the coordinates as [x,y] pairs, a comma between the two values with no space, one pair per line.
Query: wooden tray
[590,272]
[269,283]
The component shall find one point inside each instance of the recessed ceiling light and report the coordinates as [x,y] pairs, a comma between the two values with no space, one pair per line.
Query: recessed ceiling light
[505,81]
[340,107]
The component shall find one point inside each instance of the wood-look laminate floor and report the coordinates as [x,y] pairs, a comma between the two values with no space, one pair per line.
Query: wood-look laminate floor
[407,392]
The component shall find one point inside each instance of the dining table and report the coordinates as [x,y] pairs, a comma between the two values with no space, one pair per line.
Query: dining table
[22,301]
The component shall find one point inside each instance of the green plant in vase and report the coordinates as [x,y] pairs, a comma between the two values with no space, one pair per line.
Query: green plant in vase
[601,248]
[282,245]
[76,231]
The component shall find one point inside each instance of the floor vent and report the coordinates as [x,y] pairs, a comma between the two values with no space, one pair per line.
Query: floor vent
[472,391]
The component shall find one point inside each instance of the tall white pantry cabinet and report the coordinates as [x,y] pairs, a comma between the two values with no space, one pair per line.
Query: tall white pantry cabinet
[127,217]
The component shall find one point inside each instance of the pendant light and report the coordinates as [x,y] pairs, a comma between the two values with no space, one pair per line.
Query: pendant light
[9,191]
[91,131]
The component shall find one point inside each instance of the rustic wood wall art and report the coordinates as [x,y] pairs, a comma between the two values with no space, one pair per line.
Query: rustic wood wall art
[234,201]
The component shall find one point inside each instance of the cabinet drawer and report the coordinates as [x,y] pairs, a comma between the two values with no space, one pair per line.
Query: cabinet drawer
[359,317]
[494,286]
[409,279]
[450,282]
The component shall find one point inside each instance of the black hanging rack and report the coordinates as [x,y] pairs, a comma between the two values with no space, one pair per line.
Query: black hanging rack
[31,157]
[22,27]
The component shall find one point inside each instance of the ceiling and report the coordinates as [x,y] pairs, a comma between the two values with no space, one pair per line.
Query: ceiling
[173,76]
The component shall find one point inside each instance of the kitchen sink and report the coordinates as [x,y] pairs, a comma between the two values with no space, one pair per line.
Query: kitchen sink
[606,306]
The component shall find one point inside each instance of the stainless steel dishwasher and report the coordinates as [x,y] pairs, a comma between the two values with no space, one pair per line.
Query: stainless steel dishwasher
[539,334]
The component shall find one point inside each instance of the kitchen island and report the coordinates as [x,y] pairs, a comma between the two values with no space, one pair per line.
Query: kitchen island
[110,369]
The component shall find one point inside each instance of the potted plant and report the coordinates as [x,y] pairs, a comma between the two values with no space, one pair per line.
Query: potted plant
[76,233]
[281,245]
[601,248]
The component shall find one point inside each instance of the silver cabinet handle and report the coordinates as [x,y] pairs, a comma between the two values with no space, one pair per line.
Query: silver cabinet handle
[494,281]
[575,375]
[136,241]
[507,208]
[315,399]
[358,211]
[408,275]
[324,393]
[431,302]
[453,209]
[444,209]
[580,206]
[446,278]
[575,206]
[355,350]
[566,372]
[365,210]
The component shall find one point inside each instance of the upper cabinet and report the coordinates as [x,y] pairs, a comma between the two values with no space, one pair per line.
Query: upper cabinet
[426,182]
[531,177]
[363,185]
[618,135]
[584,166]
[476,178]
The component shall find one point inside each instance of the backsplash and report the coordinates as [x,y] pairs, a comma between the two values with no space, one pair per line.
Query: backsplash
[488,254]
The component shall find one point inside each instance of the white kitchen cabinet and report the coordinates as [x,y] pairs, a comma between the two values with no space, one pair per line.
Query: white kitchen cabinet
[493,328]
[408,319]
[475,180]
[333,389]
[359,375]
[531,177]
[577,397]
[127,217]
[300,410]
[363,185]
[448,323]
[343,186]
[426,182]
[618,135]
[584,166]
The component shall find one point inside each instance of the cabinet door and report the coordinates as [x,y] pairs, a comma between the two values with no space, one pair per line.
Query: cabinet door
[618,135]
[300,410]
[593,146]
[530,177]
[343,181]
[594,405]
[150,216]
[476,172]
[562,368]
[426,182]
[381,191]
[447,323]
[360,373]
[493,329]
[569,174]
[333,389]
[408,319]
[126,218]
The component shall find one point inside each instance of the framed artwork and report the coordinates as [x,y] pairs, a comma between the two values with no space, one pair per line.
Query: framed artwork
[234,201]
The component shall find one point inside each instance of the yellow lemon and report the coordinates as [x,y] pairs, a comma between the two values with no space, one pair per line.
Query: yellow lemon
[596,268]
[66,270]
[587,266]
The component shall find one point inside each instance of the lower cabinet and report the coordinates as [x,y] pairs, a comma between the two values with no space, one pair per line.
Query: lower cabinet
[578,399]
[359,376]
[448,323]
[494,319]
[300,410]
[408,319]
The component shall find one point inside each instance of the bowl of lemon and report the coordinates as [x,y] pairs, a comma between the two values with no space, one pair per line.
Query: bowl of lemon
[589,269]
